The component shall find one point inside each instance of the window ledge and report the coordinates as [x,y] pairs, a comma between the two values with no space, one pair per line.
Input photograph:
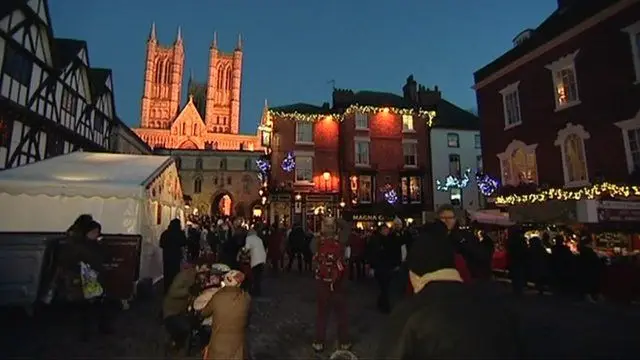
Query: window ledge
[567,105]
[575,184]
[304,143]
[361,129]
[410,166]
[304,183]
[362,165]
[511,126]
[408,131]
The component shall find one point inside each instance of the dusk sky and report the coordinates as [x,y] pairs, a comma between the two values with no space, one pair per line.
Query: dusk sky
[294,48]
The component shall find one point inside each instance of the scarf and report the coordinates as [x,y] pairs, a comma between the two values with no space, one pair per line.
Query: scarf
[419,282]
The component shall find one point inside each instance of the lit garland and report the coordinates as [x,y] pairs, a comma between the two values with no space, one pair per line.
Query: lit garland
[486,184]
[590,193]
[452,182]
[289,162]
[429,115]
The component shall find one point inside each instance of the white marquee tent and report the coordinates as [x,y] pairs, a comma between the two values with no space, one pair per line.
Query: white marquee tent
[127,194]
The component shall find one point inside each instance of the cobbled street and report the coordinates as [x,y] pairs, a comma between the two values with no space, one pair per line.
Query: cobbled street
[283,321]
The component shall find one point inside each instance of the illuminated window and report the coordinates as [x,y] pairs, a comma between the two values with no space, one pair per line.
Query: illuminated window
[453,140]
[410,154]
[304,132]
[365,189]
[565,82]
[411,188]
[304,169]
[511,105]
[407,123]
[362,121]
[455,196]
[571,141]
[634,35]
[362,152]
[518,163]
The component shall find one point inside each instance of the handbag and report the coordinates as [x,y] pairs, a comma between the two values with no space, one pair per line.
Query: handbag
[91,288]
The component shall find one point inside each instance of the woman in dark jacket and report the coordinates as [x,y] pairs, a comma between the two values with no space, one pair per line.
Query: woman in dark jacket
[83,246]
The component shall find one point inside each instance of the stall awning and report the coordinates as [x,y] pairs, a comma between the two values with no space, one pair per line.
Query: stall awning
[86,174]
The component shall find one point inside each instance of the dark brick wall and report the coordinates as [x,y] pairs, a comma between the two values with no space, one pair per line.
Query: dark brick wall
[605,76]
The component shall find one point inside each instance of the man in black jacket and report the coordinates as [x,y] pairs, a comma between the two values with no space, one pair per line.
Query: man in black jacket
[447,319]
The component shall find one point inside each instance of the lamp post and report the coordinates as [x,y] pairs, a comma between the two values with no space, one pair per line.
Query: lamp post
[326,176]
[342,204]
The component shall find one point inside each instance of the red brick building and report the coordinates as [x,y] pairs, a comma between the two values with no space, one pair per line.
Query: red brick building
[562,107]
[350,155]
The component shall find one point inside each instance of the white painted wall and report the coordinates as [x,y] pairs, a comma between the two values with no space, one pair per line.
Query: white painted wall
[468,158]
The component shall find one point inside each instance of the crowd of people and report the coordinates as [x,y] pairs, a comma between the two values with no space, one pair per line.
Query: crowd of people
[432,281]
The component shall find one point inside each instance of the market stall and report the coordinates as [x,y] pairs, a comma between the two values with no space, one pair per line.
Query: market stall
[130,195]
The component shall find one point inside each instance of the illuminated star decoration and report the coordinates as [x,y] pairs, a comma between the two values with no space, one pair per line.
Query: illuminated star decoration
[486,184]
[452,182]
[263,168]
[289,162]
[390,195]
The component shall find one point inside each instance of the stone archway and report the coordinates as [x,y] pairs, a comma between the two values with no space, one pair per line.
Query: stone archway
[222,204]
[188,145]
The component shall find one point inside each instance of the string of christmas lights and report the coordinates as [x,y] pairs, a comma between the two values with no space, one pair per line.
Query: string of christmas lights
[429,115]
[453,182]
[589,193]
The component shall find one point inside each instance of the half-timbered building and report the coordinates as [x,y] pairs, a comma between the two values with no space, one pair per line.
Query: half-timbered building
[51,101]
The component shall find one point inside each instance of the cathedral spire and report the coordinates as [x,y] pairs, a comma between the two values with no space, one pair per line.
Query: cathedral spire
[179,36]
[239,44]
[152,33]
[214,43]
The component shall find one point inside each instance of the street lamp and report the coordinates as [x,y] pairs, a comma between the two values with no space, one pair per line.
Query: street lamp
[326,176]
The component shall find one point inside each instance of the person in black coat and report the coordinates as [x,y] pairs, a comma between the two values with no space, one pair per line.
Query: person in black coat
[172,242]
[447,319]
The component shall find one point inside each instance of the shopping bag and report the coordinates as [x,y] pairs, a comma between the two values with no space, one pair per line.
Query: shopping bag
[91,288]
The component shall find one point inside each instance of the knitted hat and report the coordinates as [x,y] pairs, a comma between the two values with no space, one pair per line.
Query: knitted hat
[429,254]
[233,278]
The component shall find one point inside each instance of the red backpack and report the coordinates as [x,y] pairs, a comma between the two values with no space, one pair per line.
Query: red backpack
[330,264]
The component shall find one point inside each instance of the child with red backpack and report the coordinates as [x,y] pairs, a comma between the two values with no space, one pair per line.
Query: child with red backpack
[330,272]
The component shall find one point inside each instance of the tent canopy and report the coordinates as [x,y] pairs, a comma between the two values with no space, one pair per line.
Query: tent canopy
[85,174]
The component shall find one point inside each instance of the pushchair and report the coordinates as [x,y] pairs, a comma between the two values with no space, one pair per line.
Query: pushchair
[200,332]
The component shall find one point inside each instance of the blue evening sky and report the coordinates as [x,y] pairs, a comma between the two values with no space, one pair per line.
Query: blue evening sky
[294,48]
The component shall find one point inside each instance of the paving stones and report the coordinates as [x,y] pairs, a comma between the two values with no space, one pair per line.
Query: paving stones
[282,327]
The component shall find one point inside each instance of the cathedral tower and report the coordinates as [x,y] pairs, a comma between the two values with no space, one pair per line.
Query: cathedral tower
[162,82]
[222,113]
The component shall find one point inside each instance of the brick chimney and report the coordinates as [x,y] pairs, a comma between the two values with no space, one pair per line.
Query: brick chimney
[410,90]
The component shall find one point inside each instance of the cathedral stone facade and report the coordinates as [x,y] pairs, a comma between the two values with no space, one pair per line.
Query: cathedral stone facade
[211,117]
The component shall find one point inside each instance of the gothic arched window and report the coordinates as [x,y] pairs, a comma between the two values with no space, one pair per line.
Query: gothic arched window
[195,129]
[167,72]
[228,79]
[220,74]
[184,129]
